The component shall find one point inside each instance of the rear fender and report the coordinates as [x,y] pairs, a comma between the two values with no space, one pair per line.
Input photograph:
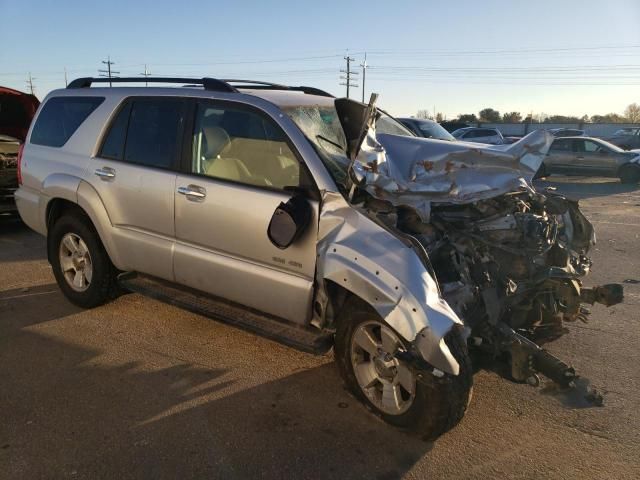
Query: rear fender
[91,203]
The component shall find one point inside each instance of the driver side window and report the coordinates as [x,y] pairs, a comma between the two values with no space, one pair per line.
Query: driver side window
[592,147]
[239,145]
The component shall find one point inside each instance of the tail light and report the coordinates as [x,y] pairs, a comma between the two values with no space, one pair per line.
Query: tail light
[19,169]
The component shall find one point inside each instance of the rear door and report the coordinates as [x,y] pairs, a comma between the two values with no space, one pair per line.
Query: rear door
[135,175]
[235,176]
[560,157]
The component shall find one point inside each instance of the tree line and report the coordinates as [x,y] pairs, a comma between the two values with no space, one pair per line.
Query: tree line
[489,115]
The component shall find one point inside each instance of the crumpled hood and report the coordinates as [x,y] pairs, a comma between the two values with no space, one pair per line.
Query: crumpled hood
[418,172]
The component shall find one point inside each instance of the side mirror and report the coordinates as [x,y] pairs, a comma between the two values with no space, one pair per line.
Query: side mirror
[289,221]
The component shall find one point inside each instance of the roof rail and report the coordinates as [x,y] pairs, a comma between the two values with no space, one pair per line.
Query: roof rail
[260,85]
[256,82]
[208,83]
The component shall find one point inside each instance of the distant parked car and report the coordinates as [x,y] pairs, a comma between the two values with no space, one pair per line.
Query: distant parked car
[426,128]
[16,111]
[590,156]
[566,132]
[479,135]
[626,138]
[452,125]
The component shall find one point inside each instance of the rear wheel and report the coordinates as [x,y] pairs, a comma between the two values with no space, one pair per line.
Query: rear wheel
[80,263]
[630,174]
[365,346]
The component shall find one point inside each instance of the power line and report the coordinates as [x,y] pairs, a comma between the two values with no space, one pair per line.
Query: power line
[348,73]
[108,72]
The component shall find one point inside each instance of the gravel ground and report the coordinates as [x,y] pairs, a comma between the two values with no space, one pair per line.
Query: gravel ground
[140,389]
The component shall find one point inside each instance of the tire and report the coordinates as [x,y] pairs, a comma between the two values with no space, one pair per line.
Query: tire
[437,404]
[98,287]
[630,174]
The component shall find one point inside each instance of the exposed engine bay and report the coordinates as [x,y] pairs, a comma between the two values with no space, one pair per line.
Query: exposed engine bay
[510,267]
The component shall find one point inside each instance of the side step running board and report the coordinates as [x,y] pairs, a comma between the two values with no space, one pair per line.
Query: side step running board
[307,339]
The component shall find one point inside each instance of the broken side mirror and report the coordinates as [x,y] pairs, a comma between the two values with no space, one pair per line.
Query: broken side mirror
[289,221]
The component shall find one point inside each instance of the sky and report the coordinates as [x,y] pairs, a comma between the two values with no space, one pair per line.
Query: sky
[542,56]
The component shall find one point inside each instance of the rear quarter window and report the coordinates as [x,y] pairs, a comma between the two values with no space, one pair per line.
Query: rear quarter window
[60,118]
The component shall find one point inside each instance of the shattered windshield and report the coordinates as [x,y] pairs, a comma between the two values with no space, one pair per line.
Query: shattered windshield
[322,127]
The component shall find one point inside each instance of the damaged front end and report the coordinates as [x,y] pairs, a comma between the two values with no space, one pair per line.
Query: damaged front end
[508,260]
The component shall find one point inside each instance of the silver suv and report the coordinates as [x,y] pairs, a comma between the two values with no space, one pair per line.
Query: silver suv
[315,221]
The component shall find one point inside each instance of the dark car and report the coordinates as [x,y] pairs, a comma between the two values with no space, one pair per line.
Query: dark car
[16,111]
[566,132]
[426,128]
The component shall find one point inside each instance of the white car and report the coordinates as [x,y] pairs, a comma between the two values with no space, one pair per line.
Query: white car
[479,135]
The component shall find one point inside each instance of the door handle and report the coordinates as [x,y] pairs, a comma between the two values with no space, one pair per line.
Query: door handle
[194,193]
[105,173]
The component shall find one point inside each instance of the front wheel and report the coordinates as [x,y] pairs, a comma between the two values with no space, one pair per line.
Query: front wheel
[80,263]
[630,174]
[365,346]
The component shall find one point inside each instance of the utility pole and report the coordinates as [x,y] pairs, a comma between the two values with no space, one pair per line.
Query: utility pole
[348,73]
[146,74]
[364,74]
[65,77]
[108,72]
[30,80]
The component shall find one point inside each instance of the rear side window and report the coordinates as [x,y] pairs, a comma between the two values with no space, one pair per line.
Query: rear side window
[60,118]
[562,145]
[113,146]
[146,132]
[153,133]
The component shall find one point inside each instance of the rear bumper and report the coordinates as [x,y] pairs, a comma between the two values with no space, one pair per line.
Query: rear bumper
[28,203]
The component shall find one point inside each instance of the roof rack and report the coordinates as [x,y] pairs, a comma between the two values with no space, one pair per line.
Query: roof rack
[260,85]
[214,84]
[208,83]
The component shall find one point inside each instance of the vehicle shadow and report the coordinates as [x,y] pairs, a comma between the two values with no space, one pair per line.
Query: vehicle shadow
[69,410]
[23,307]
[578,188]
[18,243]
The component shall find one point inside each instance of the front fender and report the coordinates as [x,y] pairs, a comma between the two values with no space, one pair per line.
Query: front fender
[374,264]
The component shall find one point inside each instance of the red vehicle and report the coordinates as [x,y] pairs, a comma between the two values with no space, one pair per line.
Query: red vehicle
[16,112]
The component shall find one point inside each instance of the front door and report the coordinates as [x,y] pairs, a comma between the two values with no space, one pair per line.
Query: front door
[598,159]
[134,174]
[238,172]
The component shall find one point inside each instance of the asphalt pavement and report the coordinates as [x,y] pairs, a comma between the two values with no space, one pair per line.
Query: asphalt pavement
[141,389]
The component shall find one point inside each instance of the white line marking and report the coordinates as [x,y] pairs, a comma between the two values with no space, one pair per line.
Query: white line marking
[28,295]
[616,223]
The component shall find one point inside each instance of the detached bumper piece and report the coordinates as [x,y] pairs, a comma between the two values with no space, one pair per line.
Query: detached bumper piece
[610,294]
[528,359]
[307,339]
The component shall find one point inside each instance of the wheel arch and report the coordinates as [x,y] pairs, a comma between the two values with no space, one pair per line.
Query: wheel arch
[347,274]
[86,202]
